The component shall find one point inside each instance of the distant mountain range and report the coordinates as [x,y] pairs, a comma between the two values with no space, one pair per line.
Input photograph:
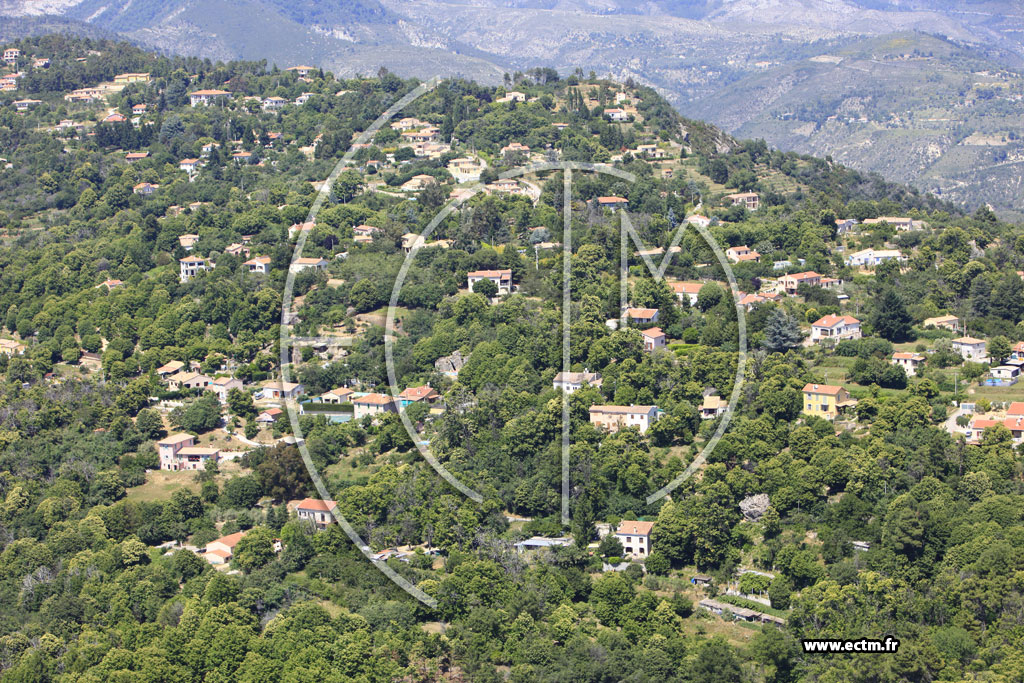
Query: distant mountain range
[923,91]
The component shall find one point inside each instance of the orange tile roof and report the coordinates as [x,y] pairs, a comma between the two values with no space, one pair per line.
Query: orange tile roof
[830,389]
[316,504]
[833,320]
[635,528]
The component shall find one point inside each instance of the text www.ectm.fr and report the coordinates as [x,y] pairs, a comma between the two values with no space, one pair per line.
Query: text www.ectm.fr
[889,645]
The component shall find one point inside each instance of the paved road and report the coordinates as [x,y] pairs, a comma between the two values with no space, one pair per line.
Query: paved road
[950,424]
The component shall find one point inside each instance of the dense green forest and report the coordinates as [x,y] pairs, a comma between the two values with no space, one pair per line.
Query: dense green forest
[886,522]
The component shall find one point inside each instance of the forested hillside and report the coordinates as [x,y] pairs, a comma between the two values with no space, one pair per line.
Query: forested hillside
[150,208]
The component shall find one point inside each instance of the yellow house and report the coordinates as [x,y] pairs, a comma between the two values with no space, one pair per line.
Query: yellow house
[132,78]
[825,400]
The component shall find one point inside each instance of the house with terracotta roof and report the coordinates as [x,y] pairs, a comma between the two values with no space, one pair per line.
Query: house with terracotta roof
[222,386]
[192,266]
[825,400]
[145,189]
[977,426]
[635,537]
[749,200]
[207,97]
[189,165]
[617,115]
[373,404]
[110,284]
[642,316]
[654,338]
[258,264]
[168,447]
[317,512]
[687,292]
[749,301]
[908,361]
[221,550]
[612,203]
[269,416]
[835,327]
[971,348]
[336,396]
[614,418]
[135,156]
[501,278]
[423,394]
[790,283]
[741,254]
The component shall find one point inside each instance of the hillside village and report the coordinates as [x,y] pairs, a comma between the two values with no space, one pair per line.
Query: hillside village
[151,208]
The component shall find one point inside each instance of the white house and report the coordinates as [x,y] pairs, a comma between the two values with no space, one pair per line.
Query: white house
[570,382]
[908,361]
[501,278]
[970,348]
[207,97]
[712,406]
[281,390]
[304,263]
[836,327]
[222,385]
[316,511]
[189,165]
[742,253]
[654,338]
[642,316]
[192,266]
[687,291]
[635,537]
[274,103]
[614,418]
[616,114]
[258,264]
[872,257]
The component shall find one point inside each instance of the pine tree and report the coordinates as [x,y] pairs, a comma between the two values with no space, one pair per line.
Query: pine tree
[890,319]
[782,332]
